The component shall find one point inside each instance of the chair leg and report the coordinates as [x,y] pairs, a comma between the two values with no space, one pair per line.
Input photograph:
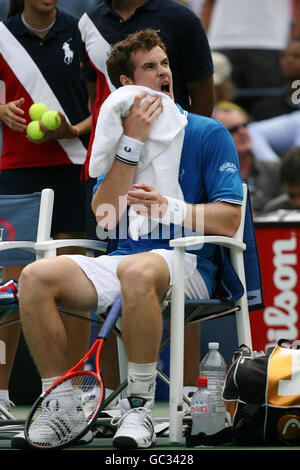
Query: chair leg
[176,410]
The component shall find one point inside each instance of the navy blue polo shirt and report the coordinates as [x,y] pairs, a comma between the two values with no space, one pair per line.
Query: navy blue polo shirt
[57,59]
[179,28]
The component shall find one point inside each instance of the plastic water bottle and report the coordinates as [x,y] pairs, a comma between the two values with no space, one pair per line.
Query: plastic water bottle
[213,366]
[203,409]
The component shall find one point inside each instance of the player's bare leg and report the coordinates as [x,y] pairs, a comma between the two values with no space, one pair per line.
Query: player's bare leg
[144,281]
[44,285]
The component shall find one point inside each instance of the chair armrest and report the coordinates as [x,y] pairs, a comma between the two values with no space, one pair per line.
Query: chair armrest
[25,245]
[83,243]
[200,240]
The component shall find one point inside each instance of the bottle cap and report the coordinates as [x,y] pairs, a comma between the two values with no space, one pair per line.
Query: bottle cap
[213,345]
[202,382]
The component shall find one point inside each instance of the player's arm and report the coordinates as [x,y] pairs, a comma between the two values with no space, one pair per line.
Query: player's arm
[112,193]
[219,218]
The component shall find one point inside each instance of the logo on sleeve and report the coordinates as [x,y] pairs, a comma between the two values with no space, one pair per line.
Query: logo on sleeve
[127,149]
[229,167]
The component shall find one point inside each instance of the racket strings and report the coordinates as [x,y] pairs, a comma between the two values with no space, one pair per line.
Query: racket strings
[66,411]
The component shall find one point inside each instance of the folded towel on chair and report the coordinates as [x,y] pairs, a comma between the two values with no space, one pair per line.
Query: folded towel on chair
[8,292]
[160,158]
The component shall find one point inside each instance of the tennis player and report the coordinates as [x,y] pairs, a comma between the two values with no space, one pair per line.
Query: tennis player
[142,270]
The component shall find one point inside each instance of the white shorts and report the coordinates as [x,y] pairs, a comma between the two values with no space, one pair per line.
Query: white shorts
[102,272]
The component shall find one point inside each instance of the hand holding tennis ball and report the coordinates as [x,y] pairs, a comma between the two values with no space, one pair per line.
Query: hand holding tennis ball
[34,131]
[51,125]
[42,119]
[37,110]
[51,120]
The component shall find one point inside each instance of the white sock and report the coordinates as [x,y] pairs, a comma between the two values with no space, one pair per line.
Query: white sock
[47,382]
[142,380]
[64,392]
[4,395]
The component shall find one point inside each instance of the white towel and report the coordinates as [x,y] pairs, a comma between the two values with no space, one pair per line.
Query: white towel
[160,158]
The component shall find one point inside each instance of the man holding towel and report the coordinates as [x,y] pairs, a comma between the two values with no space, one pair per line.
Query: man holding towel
[141,268]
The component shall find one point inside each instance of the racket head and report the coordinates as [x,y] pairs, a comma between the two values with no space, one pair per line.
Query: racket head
[65,411]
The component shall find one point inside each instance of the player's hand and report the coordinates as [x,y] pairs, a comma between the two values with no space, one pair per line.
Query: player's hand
[11,114]
[146,201]
[143,113]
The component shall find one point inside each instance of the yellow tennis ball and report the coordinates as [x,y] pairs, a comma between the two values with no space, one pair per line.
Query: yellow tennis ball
[37,110]
[34,131]
[51,120]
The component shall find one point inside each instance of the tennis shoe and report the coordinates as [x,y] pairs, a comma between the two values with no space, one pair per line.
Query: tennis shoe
[5,410]
[19,441]
[115,403]
[57,424]
[135,426]
[90,400]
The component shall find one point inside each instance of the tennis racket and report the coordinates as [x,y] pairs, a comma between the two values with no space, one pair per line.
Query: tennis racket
[67,409]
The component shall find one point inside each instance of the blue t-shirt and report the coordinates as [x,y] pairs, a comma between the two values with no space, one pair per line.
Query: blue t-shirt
[209,172]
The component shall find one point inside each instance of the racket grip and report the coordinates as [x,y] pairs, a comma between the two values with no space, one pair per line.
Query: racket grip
[111,318]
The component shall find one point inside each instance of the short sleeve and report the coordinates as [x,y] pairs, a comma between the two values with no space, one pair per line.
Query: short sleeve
[221,167]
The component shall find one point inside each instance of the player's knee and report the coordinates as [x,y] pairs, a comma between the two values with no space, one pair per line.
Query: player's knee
[33,280]
[136,277]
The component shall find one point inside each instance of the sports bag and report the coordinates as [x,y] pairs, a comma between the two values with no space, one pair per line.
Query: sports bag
[262,398]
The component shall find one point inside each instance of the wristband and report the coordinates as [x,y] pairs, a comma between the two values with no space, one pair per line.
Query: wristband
[175,213]
[129,150]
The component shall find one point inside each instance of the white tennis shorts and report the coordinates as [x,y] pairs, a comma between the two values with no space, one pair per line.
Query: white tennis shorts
[102,272]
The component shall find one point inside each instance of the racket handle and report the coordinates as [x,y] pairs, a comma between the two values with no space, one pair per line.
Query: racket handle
[111,318]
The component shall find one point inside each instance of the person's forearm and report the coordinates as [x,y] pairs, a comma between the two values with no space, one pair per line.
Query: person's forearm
[295,30]
[84,127]
[110,197]
[112,193]
[272,137]
[206,13]
[219,218]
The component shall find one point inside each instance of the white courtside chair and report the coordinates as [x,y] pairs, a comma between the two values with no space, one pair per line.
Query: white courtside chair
[15,203]
[236,247]
[198,310]
[36,209]
[44,246]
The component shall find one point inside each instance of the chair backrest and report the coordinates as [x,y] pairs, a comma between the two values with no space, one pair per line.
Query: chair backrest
[239,235]
[24,217]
